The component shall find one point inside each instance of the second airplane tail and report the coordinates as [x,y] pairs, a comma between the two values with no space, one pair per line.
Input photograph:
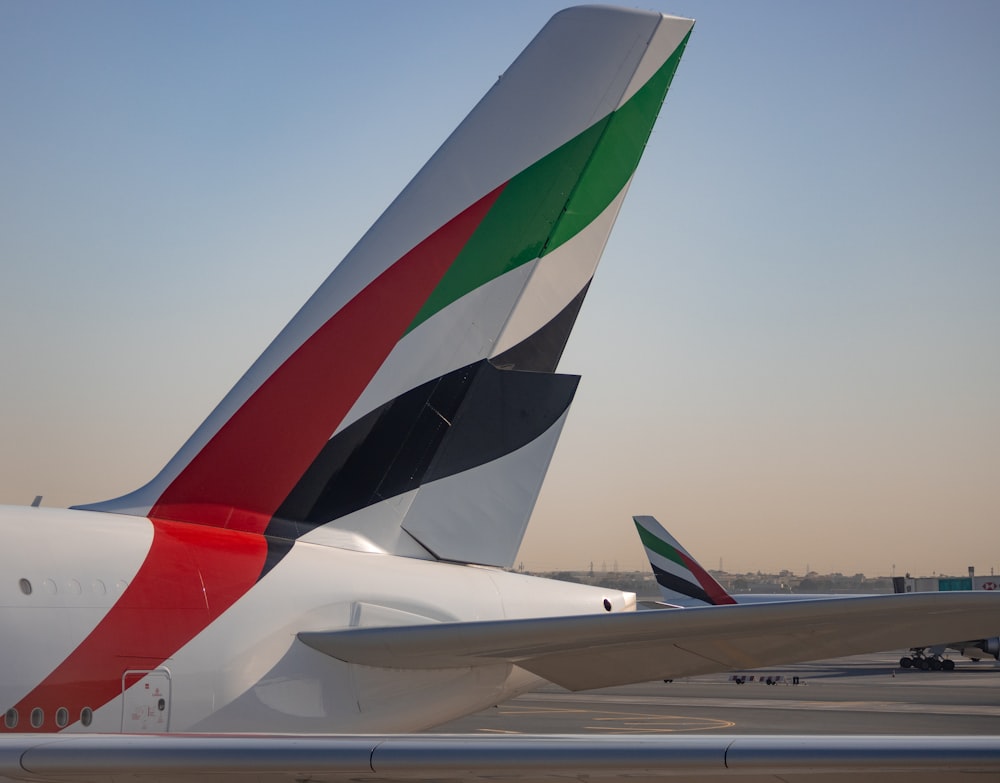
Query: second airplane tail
[682,581]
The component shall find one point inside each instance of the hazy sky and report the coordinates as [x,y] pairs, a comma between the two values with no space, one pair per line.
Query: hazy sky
[791,352]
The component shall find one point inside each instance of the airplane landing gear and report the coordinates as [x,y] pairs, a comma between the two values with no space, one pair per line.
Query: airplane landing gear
[919,660]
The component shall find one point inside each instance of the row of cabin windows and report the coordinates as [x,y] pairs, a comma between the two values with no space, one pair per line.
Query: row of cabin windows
[11,718]
[97,587]
[37,717]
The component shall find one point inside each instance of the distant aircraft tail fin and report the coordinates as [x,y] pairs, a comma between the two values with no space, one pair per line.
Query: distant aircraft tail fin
[681,579]
[413,399]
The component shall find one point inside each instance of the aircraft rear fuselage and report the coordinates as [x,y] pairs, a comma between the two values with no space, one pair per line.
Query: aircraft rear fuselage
[114,623]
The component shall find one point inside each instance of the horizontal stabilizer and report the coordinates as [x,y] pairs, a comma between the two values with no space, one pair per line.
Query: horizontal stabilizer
[596,651]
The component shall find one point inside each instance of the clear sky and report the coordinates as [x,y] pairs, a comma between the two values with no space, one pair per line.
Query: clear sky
[791,352]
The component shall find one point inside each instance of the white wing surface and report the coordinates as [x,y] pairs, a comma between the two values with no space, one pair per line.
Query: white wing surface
[597,651]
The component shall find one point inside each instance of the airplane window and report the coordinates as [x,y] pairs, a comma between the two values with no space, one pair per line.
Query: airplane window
[86,716]
[62,717]
[37,717]
[10,719]
[25,586]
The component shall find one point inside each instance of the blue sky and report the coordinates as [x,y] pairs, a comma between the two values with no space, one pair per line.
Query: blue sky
[790,352]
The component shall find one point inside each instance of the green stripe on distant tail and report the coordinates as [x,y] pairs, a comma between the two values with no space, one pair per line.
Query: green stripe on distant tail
[662,548]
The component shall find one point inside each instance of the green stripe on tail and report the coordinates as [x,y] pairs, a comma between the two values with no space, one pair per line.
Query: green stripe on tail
[554,199]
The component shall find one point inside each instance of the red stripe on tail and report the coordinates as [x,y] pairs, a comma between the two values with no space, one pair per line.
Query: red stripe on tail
[244,473]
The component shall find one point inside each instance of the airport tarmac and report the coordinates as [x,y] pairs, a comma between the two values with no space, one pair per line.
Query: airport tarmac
[868,694]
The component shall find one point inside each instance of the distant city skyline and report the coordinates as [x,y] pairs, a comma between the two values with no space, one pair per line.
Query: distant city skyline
[788,355]
[791,572]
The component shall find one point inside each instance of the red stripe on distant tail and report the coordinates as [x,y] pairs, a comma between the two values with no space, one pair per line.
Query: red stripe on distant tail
[708,584]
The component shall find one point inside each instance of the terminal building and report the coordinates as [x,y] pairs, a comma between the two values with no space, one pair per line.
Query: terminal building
[924,584]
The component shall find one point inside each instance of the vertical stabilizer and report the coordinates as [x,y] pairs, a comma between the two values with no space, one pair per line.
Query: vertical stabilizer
[681,579]
[413,399]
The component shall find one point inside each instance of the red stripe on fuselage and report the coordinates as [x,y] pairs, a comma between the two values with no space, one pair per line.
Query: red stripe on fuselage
[190,576]
[248,468]
[194,572]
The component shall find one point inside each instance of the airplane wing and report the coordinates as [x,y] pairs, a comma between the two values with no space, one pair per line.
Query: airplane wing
[457,757]
[596,651]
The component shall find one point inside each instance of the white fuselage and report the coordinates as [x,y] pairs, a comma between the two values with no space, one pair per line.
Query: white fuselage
[72,613]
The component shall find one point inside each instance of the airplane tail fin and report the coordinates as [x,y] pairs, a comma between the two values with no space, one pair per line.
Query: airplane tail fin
[413,399]
[681,579]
